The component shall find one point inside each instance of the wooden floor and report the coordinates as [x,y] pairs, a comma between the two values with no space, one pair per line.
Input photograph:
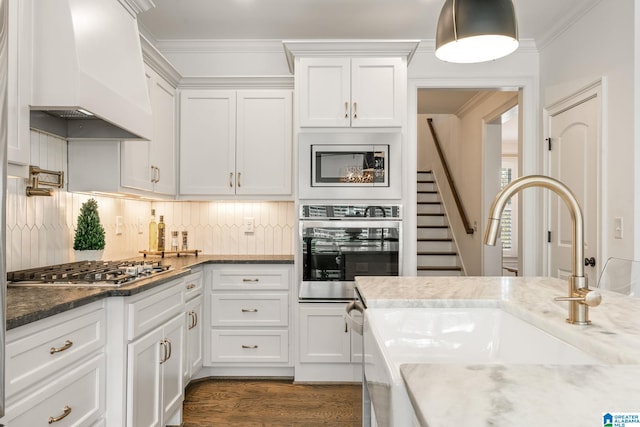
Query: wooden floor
[252,403]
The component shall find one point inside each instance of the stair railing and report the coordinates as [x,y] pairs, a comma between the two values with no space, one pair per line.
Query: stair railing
[465,221]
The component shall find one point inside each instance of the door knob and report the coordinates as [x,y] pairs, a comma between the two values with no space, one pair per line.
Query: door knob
[590,262]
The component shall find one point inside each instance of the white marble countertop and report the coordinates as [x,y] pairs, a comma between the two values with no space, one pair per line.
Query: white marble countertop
[521,395]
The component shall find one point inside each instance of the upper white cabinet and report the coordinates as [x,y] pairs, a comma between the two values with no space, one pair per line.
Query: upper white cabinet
[351,92]
[19,76]
[235,142]
[151,165]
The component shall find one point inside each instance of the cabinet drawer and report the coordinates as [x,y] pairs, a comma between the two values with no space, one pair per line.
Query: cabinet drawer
[193,285]
[250,310]
[40,349]
[150,311]
[252,278]
[263,346]
[78,392]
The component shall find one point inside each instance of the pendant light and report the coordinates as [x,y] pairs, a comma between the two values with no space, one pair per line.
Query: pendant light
[476,30]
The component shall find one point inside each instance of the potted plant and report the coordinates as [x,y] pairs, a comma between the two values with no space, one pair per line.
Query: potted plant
[89,238]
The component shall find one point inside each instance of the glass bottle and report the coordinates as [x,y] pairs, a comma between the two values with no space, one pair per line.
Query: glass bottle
[161,233]
[174,241]
[153,232]
[185,238]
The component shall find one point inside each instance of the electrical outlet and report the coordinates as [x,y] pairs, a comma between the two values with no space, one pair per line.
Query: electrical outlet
[249,224]
[119,225]
[618,228]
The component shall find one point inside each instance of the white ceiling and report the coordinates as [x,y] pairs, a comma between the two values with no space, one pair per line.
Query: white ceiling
[538,20]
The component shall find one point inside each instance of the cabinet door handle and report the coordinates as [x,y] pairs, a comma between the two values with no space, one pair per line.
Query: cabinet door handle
[67,345]
[355,110]
[191,286]
[195,319]
[346,109]
[157,174]
[65,412]
[239,175]
[346,328]
[249,346]
[170,348]
[164,357]
[230,179]
[246,280]
[249,310]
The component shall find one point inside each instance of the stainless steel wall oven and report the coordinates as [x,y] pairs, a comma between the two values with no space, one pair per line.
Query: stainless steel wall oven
[340,242]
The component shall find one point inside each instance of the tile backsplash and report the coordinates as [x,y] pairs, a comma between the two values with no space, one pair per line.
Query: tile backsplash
[40,229]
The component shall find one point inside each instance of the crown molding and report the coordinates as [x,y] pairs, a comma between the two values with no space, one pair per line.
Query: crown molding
[154,58]
[134,7]
[340,47]
[220,46]
[236,82]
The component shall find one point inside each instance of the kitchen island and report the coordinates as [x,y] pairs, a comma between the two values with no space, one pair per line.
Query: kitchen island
[31,303]
[516,394]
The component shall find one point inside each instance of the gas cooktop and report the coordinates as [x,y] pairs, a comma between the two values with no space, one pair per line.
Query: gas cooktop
[87,273]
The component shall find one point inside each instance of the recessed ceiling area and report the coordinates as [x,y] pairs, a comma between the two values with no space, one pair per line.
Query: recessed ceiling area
[443,101]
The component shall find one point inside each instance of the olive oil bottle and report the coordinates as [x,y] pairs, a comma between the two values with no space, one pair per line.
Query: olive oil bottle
[153,232]
[161,234]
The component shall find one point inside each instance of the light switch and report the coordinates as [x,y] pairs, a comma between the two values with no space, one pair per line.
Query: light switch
[618,231]
[249,224]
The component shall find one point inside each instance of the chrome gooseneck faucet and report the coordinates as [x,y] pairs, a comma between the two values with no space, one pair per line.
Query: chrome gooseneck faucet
[580,296]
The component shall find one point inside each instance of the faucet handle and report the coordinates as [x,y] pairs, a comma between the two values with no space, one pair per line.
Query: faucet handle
[584,296]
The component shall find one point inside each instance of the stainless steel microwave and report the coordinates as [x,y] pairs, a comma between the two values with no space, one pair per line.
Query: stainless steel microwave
[349,166]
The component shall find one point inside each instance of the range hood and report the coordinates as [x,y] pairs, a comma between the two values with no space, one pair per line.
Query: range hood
[88,75]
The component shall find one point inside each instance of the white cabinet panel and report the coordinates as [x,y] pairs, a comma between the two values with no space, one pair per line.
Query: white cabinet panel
[235,142]
[263,346]
[357,92]
[194,309]
[324,334]
[144,384]
[264,309]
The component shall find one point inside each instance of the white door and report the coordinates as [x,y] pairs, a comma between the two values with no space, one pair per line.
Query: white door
[172,368]
[574,133]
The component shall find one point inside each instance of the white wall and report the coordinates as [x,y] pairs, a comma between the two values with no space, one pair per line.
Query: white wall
[601,45]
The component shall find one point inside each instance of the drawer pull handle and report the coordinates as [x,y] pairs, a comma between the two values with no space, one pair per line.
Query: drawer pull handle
[245,280]
[165,351]
[67,345]
[191,286]
[249,310]
[65,411]
[194,319]
[249,346]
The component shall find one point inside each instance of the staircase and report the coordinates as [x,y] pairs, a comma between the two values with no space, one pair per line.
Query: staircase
[436,255]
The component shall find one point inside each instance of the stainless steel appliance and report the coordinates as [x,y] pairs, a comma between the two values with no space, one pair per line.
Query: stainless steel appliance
[4,118]
[340,242]
[87,273]
[350,166]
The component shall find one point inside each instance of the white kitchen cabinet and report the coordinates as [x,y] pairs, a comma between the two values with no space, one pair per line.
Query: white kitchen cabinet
[194,317]
[155,388]
[248,314]
[147,338]
[132,167]
[328,349]
[19,86]
[235,143]
[55,368]
[151,165]
[351,92]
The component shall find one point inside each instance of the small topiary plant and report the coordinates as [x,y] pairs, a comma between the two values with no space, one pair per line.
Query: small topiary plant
[90,233]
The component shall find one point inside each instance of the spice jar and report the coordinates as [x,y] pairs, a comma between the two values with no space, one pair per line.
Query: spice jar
[174,241]
[185,245]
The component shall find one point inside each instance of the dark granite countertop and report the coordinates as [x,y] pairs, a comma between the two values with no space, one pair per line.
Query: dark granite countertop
[28,304]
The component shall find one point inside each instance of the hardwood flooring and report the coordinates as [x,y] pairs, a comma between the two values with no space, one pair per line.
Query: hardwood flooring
[271,403]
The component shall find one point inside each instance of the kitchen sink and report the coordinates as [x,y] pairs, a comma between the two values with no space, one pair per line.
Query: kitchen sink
[396,336]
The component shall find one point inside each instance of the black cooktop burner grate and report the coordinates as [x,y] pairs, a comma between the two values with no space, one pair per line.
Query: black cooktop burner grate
[109,272]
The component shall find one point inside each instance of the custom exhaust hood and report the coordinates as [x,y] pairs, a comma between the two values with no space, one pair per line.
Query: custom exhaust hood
[88,75]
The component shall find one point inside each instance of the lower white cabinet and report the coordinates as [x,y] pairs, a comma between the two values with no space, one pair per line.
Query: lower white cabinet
[155,388]
[248,316]
[328,349]
[194,319]
[146,335]
[55,369]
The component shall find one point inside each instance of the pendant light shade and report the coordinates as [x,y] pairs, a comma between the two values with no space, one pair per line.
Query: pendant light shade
[476,30]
